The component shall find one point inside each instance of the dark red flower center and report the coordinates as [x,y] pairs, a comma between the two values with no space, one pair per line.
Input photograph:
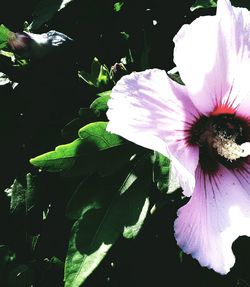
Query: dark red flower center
[222,138]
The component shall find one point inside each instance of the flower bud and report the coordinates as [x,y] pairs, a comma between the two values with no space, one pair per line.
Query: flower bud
[37,46]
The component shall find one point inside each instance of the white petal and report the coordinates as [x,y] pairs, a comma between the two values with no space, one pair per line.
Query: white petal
[216,215]
[212,56]
[151,110]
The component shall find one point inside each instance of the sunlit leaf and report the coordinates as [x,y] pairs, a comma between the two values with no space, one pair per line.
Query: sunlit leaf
[103,221]
[22,195]
[203,4]
[118,6]
[4,80]
[100,105]
[92,139]
[96,133]
[18,197]
[131,231]
[6,256]
[64,3]
[5,35]
[99,75]
[106,93]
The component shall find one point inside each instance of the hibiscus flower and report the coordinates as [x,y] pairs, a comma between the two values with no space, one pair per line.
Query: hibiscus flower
[202,126]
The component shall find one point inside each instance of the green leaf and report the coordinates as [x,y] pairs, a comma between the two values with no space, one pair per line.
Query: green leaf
[5,35]
[83,152]
[96,134]
[4,80]
[45,10]
[106,93]
[99,75]
[203,4]
[161,171]
[104,219]
[111,160]
[100,105]
[111,163]
[131,231]
[18,197]
[175,76]
[61,159]
[118,6]
[90,194]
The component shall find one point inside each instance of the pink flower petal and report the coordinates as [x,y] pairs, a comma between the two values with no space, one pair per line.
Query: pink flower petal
[216,215]
[151,110]
[212,56]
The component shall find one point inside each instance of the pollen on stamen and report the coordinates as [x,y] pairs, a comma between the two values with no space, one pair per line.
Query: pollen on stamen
[229,149]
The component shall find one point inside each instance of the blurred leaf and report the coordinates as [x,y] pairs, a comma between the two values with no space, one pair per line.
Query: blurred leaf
[161,171]
[45,10]
[57,262]
[17,202]
[92,138]
[100,105]
[125,35]
[122,212]
[203,4]
[22,196]
[6,256]
[118,6]
[4,80]
[5,35]
[99,75]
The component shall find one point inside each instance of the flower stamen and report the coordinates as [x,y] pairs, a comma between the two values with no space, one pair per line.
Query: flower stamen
[228,148]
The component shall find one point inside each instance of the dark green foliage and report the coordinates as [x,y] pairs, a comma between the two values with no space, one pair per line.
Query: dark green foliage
[72,194]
